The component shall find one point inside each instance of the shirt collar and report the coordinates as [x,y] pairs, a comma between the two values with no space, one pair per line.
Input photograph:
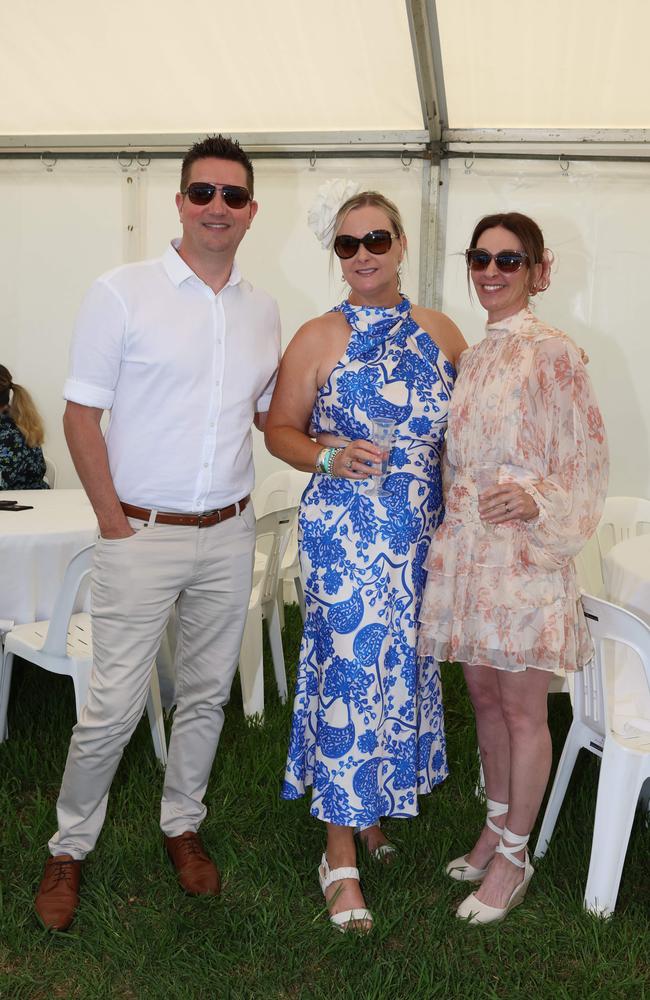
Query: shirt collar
[179,271]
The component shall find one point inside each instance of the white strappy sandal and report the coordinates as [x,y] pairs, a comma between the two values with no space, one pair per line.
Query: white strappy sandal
[460,869]
[481,913]
[383,852]
[346,919]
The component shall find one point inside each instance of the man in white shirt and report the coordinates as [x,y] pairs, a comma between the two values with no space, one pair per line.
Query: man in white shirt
[184,353]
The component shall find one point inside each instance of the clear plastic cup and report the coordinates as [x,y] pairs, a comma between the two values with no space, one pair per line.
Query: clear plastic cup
[382,431]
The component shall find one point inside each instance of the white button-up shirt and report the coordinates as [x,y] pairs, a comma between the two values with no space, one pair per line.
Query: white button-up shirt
[183,372]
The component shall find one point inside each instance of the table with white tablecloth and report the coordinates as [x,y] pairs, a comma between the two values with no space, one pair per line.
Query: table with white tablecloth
[37,545]
[35,549]
[626,571]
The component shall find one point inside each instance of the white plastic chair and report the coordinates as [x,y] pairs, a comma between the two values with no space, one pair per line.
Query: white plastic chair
[623,517]
[50,472]
[284,488]
[625,764]
[589,570]
[272,531]
[63,645]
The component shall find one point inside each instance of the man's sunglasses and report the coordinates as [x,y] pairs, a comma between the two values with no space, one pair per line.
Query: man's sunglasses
[378,241]
[507,261]
[202,193]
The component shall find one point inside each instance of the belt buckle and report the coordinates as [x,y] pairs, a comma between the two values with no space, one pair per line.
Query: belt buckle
[209,514]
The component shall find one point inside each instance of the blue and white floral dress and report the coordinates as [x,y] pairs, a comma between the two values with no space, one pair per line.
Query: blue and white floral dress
[367,730]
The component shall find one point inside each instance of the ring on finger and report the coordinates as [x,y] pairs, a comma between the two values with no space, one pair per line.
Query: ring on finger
[348,464]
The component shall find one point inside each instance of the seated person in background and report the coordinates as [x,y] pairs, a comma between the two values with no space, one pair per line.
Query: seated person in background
[22,465]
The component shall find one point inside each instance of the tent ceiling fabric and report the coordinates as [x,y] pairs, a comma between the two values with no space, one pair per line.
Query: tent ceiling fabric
[156,66]
[559,64]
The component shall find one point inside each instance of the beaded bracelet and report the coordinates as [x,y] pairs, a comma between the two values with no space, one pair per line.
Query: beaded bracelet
[329,460]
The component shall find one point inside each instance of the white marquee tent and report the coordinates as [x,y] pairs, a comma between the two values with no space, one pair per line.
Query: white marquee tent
[453,108]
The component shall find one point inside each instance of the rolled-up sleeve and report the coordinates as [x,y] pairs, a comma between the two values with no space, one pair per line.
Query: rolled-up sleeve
[97,348]
[566,425]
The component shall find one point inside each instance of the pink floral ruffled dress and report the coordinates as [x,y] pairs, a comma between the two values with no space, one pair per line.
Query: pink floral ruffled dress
[506,596]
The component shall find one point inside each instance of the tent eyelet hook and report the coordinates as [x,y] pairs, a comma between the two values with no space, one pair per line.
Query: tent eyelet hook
[124,160]
[49,161]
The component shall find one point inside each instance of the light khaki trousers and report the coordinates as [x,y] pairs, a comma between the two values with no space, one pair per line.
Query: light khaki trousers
[135,583]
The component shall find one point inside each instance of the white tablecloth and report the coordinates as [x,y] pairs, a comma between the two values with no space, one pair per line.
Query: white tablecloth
[37,545]
[35,548]
[626,569]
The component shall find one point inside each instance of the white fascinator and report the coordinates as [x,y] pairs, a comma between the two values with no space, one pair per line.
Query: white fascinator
[322,214]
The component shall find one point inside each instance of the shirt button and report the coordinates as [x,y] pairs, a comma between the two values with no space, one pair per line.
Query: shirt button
[205,465]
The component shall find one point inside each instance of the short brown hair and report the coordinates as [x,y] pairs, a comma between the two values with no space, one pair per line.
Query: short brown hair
[221,147]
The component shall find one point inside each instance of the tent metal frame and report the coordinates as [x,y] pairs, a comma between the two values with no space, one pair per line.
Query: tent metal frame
[619,145]
[269,143]
[436,144]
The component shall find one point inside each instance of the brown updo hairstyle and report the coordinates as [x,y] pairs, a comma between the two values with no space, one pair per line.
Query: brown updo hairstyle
[22,409]
[531,238]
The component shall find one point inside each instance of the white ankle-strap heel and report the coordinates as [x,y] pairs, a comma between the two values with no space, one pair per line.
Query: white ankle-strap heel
[460,869]
[481,913]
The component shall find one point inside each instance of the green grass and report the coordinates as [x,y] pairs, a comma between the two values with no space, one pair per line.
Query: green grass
[137,936]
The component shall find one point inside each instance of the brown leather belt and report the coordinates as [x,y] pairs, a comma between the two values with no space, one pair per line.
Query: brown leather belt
[205,520]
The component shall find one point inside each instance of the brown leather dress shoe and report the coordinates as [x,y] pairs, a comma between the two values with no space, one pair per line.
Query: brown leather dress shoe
[58,894]
[197,874]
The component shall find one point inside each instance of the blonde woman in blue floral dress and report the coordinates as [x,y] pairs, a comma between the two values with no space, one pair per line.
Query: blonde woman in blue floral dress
[367,732]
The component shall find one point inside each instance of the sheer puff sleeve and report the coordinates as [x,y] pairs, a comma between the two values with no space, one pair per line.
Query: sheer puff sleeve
[567,439]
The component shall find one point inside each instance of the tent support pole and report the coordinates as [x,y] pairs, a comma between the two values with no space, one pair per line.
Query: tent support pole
[427,55]
[433,216]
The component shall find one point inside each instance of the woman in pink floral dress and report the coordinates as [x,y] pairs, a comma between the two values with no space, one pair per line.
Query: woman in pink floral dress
[526,479]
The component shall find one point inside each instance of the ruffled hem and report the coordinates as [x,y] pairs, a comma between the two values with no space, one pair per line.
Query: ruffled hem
[483,605]
[548,638]
[475,654]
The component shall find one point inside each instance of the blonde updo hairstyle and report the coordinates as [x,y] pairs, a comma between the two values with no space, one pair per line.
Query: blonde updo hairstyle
[21,408]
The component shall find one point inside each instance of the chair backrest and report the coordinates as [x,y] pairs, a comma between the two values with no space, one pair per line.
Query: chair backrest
[623,517]
[605,622]
[50,472]
[589,568]
[57,633]
[265,543]
[277,523]
[283,488]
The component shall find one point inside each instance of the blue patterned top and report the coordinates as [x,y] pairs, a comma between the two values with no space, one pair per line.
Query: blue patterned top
[21,467]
